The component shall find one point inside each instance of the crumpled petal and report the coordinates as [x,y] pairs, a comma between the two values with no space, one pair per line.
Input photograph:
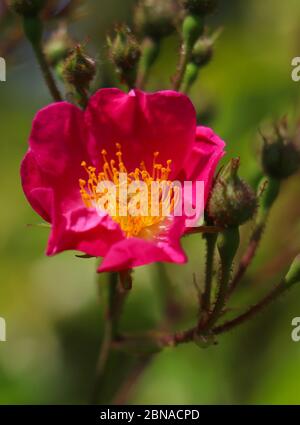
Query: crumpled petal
[84,230]
[134,252]
[142,123]
[36,189]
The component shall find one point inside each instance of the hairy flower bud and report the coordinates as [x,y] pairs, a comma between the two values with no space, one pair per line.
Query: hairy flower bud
[200,7]
[156,18]
[58,46]
[203,51]
[280,154]
[232,201]
[79,69]
[125,52]
[27,7]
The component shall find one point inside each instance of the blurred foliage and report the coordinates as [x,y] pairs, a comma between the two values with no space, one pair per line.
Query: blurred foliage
[54,318]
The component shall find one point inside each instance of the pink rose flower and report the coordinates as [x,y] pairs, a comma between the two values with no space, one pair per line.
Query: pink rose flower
[152,136]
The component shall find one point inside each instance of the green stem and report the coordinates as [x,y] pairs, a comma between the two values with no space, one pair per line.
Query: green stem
[183,62]
[228,243]
[49,79]
[190,77]
[203,229]
[33,29]
[192,28]
[117,293]
[221,297]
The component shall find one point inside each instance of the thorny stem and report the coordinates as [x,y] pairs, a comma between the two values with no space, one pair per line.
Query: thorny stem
[49,79]
[221,297]
[247,257]
[183,62]
[192,28]
[203,229]
[228,242]
[188,335]
[33,30]
[279,290]
[210,250]
[117,293]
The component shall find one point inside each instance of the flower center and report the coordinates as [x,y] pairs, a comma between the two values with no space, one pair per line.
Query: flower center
[139,201]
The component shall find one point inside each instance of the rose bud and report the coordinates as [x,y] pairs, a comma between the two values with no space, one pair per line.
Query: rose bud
[280,153]
[200,7]
[27,7]
[79,69]
[232,201]
[155,18]
[125,52]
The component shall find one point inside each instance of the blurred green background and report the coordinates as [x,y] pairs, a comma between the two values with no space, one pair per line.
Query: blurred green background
[51,305]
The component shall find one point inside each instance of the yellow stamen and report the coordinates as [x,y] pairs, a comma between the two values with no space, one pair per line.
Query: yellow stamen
[145,225]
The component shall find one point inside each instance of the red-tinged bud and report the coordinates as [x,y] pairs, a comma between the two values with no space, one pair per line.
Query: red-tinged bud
[280,153]
[125,52]
[156,18]
[203,51]
[27,8]
[232,201]
[204,48]
[79,69]
[200,7]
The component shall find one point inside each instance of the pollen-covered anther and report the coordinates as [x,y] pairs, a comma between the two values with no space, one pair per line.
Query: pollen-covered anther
[144,224]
